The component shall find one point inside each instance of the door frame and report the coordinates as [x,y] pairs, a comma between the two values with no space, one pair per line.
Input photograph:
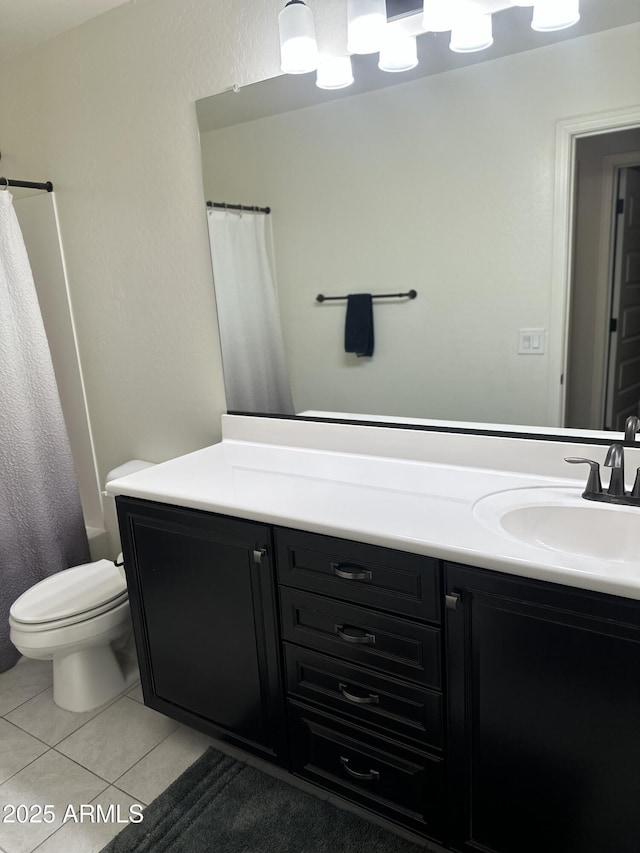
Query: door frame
[567,134]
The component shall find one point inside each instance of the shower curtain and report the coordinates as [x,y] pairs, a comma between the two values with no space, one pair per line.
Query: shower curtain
[41,525]
[256,378]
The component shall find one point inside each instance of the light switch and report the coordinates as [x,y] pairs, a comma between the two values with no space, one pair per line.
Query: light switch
[531,341]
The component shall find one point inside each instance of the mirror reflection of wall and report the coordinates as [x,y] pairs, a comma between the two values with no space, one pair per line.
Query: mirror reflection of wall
[445,185]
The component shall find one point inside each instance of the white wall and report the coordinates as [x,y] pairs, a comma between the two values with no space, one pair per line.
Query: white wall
[106,112]
[445,185]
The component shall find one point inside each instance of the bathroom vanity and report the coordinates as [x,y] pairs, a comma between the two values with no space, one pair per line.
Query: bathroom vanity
[478,690]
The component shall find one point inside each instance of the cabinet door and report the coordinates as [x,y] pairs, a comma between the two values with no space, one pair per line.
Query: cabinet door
[544,717]
[202,596]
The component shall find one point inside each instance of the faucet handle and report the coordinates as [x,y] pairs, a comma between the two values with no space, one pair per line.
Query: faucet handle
[594,484]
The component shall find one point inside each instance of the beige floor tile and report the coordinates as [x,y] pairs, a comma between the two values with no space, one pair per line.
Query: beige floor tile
[160,767]
[44,719]
[117,738]
[17,749]
[23,681]
[50,780]
[96,828]
[136,693]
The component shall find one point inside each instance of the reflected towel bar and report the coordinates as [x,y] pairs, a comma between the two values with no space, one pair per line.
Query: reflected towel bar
[411,294]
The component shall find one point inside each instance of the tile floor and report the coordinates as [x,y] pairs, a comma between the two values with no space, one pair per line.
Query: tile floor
[120,754]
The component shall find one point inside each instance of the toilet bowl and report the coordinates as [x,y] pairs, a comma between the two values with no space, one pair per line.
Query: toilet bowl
[79,618]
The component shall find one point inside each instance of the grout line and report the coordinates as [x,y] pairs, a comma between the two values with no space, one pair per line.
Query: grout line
[11,710]
[86,769]
[33,760]
[127,794]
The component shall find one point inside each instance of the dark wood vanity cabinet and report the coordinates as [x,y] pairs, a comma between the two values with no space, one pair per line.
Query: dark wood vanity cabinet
[544,717]
[481,710]
[202,596]
[361,630]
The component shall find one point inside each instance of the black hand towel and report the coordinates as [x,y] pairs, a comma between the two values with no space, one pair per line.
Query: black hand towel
[358,327]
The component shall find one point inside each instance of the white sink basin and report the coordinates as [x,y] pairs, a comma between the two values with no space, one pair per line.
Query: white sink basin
[559,519]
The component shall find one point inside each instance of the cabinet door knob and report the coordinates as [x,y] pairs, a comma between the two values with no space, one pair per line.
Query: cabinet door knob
[258,555]
[350,573]
[372,774]
[362,639]
[371,699]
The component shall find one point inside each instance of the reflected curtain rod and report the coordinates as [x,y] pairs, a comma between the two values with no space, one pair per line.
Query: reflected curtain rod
[30,185]
[249,209]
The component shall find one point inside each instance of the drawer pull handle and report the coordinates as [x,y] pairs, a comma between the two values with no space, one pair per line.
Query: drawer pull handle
[372,774]
[360,639]
[371,699]
[343,570]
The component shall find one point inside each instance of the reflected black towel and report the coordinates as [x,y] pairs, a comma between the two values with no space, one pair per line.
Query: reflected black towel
[358,327]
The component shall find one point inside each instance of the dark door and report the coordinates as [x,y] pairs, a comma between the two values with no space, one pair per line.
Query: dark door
[202,595]
[544,717]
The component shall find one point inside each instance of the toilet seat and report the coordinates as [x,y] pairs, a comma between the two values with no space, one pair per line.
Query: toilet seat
[71,596]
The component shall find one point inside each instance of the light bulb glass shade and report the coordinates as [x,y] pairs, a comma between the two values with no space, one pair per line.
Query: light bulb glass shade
[440,16]
[334,72]
[298,46]
[366,24]
[399,51]
[550,15]
[471,34]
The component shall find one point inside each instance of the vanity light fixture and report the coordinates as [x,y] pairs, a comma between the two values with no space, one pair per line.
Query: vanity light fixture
[471,33]
[334,72]
[399,51]
[298,46]
[550,15]
[468,22]
[366,25]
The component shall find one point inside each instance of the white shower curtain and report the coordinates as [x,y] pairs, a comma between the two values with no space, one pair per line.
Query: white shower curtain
[41,525]
[256,378]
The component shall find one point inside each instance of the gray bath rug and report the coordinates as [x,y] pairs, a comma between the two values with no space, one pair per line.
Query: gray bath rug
[220,805]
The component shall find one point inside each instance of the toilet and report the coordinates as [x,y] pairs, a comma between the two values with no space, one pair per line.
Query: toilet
[79,618]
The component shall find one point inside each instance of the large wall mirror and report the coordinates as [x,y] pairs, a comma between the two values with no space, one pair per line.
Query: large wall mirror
[443,181]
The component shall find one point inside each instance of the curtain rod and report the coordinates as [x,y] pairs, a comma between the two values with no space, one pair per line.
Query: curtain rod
[30,185]
[250,209]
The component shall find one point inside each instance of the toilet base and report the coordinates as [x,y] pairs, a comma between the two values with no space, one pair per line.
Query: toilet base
[88,678]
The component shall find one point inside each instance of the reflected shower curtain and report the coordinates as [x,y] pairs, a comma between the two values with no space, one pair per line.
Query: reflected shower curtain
[256,378]
[41,525]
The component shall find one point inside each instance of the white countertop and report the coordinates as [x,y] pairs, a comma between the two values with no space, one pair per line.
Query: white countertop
[420,507]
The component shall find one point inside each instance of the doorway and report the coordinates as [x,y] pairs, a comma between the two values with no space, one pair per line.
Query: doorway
[603,352]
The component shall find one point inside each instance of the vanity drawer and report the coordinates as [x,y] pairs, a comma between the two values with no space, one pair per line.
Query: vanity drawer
[393,780]
[403,710]
[402,583]
[401,648]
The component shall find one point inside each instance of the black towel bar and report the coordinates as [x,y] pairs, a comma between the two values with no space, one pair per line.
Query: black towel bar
[411,294]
